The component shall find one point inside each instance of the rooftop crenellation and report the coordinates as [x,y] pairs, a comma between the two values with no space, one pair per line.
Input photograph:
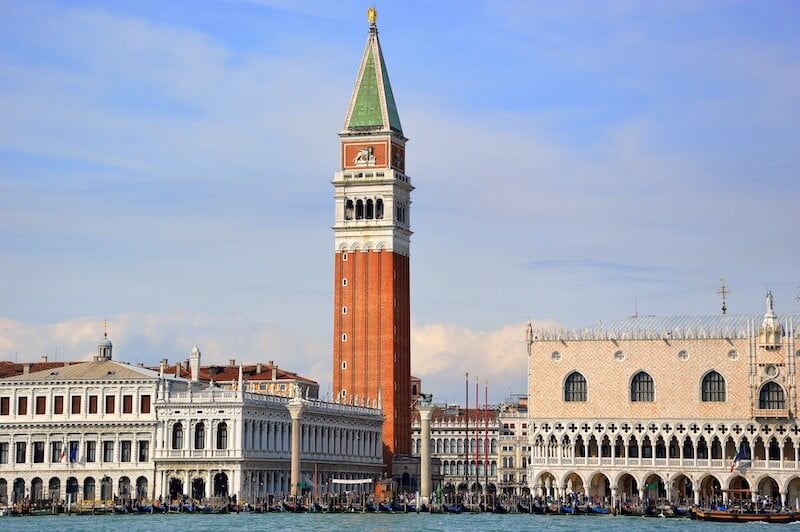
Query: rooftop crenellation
[670,328]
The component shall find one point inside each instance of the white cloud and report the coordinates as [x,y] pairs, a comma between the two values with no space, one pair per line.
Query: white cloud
[443,353]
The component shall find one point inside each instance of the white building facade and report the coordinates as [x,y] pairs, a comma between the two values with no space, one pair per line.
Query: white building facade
[83,431]
[464,442]
[96,432]
[213,442]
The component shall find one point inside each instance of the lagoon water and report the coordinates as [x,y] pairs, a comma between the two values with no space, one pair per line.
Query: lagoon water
[354,522]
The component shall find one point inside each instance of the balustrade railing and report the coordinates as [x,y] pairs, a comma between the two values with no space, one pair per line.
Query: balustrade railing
[674,463]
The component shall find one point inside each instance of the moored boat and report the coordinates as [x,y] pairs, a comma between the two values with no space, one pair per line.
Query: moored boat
[738,516]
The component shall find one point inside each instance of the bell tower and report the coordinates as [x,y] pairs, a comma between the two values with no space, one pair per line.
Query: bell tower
[372,234]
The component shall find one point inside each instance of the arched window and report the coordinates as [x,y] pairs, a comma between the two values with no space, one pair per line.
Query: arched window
[177,436]
[359,209]
[199,436]
[642,388]
[222,436]
[575,387]
[713,388]
[379,209]
[348,209]
[771,396]
[370,210]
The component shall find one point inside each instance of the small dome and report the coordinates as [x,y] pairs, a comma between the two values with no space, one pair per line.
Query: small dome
[196,350]
[105,342]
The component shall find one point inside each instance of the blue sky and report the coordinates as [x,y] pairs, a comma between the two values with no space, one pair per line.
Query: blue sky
[167,166]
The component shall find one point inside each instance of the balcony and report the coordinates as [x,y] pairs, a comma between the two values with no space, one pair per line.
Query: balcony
[771,413]
[196,454]
[715,464]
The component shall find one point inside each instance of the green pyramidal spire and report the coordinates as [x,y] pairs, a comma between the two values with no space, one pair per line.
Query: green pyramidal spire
[372,106]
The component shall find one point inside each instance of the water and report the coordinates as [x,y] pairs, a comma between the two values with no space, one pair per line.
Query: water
[355,522]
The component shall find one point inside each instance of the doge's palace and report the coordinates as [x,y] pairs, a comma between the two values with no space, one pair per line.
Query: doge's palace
[680,408]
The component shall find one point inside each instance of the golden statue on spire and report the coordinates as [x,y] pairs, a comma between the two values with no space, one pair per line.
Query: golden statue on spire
[372,15]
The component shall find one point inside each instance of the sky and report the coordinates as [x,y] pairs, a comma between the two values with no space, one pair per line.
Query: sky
[167,165]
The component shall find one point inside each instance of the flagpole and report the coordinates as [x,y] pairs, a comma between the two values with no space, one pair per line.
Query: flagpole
[486,436]
[477,435]
[466,429]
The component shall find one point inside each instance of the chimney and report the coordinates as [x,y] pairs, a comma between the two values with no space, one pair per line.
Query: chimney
[163,367]
[259,368]
[232,362]
[26,368]
[274,372]
[44,358]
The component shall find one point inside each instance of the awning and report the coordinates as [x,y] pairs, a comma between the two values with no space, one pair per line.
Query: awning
[352,481]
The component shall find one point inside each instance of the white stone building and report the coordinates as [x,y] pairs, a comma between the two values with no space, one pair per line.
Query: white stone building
[464,442]
[218,442]
[88,432]
[83,431]
[513,449]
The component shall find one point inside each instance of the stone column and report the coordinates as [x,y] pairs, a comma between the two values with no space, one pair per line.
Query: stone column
[295,407]
[425,412]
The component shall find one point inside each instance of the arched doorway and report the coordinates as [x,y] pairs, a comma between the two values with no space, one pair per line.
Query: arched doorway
[738,490]
[574,484]
[710,491]
[793,491]
[175,488]
[37,489]
[124,488]
[3,491]
[448,488]
[547,484]
[141,488]
[54,489]
[72,489]
[627,488]
[88,489]
[19,491]
[654,489]
[220,485]
[682,492]
[600,487]
[448,491]
[198,489]
[768,487]
[106,489]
